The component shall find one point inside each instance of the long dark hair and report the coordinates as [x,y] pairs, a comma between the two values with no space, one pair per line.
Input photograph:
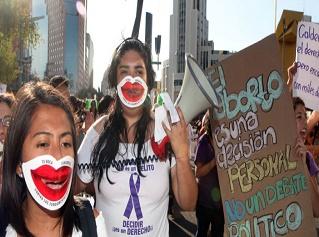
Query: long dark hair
[297,101]
[115,130]
[14,189]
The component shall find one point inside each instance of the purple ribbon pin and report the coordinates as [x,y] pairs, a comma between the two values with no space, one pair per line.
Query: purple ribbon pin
[134,200]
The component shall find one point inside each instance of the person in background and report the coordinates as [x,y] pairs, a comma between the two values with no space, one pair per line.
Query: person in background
[312,121]
[209,209]
[6,102]
[304,126]
[39,175]
[131,181]
[79,117]
[312,138]
[61,83]
[94,108]
[302,152]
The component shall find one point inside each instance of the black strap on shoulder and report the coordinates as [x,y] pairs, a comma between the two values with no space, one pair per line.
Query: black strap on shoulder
[3,222]
[86,217]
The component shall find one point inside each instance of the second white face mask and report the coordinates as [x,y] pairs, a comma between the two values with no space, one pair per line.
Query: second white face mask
[132,91]
[49,180]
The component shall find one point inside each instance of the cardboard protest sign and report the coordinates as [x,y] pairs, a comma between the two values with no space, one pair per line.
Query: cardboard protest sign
[306,80]
[263,185]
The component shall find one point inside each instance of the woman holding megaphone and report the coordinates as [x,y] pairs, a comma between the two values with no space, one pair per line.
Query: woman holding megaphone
[117,154]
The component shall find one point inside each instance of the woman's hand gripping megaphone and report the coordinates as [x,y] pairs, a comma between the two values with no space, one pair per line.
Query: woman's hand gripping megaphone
[170,126]
[178,136]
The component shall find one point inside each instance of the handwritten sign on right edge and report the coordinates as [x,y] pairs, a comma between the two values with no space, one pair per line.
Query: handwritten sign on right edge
[263,186]
[306,80]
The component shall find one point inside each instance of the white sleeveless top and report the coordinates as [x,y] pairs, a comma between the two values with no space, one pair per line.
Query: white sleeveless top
[133,205]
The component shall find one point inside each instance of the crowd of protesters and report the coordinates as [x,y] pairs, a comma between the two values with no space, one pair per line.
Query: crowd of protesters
[54,145]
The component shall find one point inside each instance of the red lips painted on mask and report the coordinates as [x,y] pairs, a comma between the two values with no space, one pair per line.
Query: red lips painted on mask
[132,92]
[51,183]
[160,150]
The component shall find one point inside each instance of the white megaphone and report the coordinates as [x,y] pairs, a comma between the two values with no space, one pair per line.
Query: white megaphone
[197,93]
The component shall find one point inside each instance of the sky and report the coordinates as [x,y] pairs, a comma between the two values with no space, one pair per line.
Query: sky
[233,24]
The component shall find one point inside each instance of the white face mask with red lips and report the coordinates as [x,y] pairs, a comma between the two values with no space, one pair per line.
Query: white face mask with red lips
[132,91]
[49,180]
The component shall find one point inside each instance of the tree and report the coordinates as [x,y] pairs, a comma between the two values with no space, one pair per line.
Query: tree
[86,93]
[8,62]
[89,93]
[17,31]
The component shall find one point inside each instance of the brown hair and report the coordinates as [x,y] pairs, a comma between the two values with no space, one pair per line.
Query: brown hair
[7,98]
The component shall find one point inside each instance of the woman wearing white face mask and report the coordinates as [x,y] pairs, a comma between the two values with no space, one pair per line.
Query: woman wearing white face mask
[39,158]
[130,175]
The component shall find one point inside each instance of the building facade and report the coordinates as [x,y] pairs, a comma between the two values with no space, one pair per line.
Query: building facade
[66,42]
[188,35]
[105,89]
[40,52]
[219,55]
[89,53]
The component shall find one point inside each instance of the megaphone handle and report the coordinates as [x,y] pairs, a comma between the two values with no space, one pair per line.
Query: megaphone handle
[170,107]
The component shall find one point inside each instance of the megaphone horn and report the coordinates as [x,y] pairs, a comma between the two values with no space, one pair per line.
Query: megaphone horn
[197,93]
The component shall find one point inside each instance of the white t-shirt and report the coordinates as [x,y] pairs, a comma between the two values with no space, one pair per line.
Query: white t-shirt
[133,205]
[100,229]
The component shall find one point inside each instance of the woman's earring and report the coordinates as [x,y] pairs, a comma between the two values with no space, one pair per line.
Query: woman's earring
[20,175]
